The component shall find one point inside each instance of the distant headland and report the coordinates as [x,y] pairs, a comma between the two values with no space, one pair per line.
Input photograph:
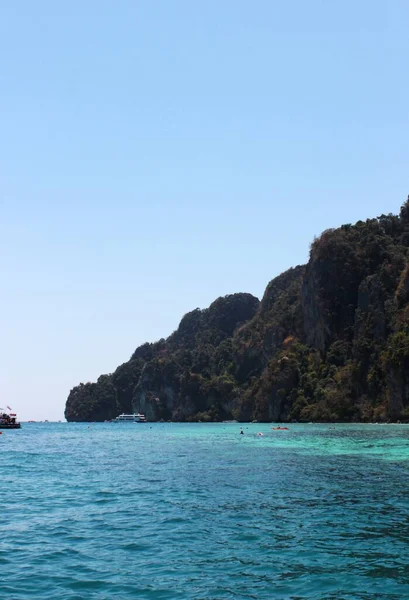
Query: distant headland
[329,341]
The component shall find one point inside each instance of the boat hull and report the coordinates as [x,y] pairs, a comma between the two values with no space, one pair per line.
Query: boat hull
[128,421]
[10,426]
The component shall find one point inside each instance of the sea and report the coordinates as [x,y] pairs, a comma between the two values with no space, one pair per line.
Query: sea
[167,511]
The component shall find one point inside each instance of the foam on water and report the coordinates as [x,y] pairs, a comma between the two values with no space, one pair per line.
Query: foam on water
[198,511]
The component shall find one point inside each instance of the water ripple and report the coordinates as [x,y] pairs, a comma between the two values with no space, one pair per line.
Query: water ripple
[200,512]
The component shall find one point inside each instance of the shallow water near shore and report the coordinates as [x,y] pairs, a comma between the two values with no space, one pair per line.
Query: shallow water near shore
[198,511]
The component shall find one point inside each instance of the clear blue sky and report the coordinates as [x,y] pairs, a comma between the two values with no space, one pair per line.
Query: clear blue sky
[156,155]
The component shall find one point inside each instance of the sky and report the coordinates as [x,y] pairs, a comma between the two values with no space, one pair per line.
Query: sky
[157,155]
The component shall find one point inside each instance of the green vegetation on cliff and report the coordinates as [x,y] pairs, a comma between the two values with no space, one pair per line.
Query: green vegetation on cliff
[329,341]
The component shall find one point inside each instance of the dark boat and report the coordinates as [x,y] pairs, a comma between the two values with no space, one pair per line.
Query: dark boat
[9,421]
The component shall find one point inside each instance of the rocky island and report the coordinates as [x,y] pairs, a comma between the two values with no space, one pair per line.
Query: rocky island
[329,341]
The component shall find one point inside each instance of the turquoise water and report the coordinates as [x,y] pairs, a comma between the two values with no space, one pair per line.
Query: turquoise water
[179,511]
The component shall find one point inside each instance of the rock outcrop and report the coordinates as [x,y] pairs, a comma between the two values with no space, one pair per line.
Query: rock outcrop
[328,341]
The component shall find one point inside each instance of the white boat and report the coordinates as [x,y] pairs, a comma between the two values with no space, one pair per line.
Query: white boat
[135,418]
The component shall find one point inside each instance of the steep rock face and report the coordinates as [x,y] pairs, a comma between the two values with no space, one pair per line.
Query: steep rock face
[170,387]
[397,393]
[396,356]
[396,367]
[278,316]
[370,321]
[402,292]
[157,391]
[316,329]
[276,393]
[182,396]
[329,341]
[124,381]
[330,287]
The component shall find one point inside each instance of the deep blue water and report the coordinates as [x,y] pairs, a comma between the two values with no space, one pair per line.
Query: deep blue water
[179,511]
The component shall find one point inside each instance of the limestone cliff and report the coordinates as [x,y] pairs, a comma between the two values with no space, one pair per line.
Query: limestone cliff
[328,341]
